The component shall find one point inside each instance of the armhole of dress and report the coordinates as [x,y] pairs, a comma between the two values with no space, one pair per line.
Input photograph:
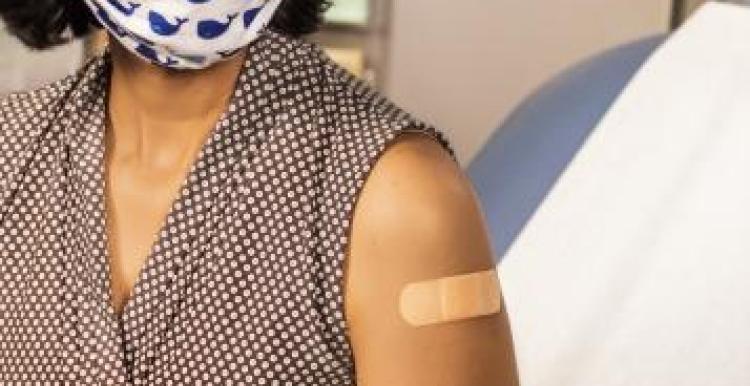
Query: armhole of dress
[355,154]
[356,185]
[419,128]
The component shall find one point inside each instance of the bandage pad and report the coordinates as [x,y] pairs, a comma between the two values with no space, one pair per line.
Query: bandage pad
[451,298]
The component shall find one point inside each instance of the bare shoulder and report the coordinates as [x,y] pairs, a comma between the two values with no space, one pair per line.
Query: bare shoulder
[418,218]
[416,192]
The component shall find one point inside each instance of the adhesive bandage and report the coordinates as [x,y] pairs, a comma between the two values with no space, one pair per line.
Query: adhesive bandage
[451,298]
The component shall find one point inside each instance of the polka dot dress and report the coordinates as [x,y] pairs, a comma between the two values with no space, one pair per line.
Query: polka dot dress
[243,285]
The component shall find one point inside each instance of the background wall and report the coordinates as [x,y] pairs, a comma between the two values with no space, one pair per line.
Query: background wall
[464,68]
[22,68]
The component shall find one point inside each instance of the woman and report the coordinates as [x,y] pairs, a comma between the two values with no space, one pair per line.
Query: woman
[182,210]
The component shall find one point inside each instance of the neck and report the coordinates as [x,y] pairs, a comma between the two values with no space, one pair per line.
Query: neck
[162,114]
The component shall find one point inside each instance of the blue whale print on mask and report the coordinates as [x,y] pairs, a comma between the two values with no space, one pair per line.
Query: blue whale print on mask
[124,9]
[250,15]
[192,58]
[149,53]
[161,26]
[211,29]
[226,54]
[140,39]
[104,17]
[183,34]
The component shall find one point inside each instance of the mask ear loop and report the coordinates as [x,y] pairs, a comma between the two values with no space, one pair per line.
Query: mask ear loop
[451,298]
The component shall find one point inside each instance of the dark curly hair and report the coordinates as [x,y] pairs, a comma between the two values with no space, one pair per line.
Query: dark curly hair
[46,23]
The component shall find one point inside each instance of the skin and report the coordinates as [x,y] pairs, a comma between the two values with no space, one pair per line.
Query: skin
[417,218]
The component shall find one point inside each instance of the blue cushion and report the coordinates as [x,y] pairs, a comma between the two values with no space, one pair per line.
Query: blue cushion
[523,158]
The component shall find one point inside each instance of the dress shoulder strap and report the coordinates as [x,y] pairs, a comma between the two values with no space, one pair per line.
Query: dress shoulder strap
[28,121]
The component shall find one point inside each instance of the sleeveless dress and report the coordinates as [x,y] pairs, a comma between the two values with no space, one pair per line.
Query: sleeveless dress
[243,285]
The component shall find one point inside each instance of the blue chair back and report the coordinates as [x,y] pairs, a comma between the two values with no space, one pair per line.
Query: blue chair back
[521,161]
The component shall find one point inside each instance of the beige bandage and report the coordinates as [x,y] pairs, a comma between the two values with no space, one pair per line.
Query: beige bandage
[451,298]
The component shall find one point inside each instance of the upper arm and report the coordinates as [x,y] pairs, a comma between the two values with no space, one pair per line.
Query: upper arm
[418,218]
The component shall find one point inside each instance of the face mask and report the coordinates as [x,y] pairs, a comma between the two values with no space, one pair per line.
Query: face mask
[184,34]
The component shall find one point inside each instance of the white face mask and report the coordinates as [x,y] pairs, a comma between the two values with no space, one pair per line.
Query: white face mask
[184,34]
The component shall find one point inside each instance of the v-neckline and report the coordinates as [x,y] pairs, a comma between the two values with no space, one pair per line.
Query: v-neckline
[186,243]
[157,239]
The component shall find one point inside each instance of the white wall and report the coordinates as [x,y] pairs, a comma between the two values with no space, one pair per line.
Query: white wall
[22,68]
[464,65]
